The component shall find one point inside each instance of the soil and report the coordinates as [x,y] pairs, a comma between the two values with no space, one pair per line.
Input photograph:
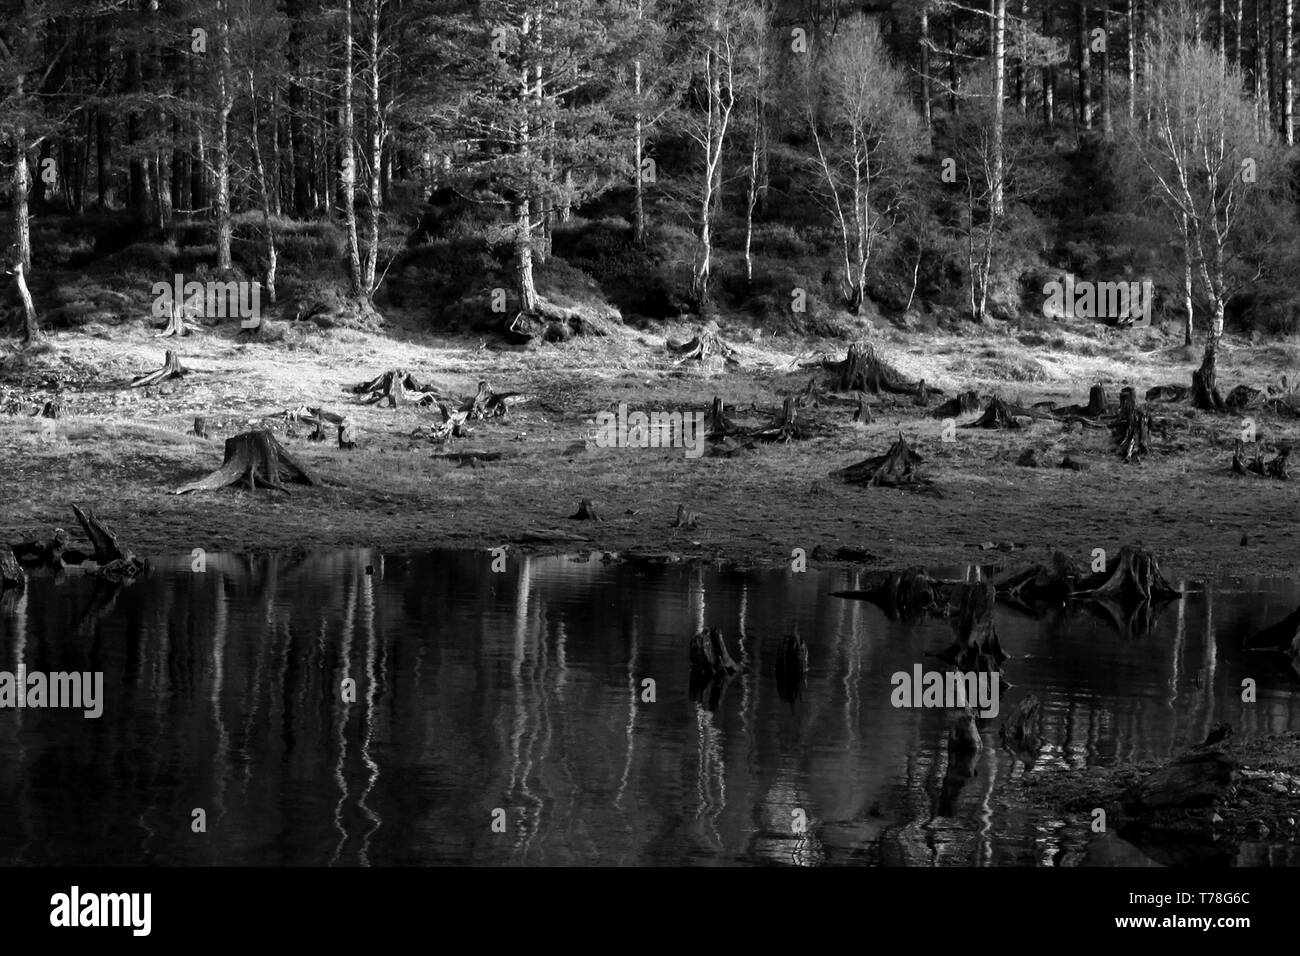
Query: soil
[124,451]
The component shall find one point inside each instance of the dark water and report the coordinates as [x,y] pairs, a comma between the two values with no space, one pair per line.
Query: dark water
[522,691]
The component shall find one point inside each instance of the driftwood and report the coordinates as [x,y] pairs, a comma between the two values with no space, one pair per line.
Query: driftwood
[397,387]
[708,342]
[709,654]
[996,415]
[1255,463]
[171,368]
[791,668]
[255,459]
[895,468]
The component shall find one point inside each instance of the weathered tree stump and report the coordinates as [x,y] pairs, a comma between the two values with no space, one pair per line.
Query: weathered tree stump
[1131,429]
[900,594]
[52,409]
[11,572]
[864,371]
[115,562]
[254,459]
[586,512]
[49,554]
[709,654]
[1134,575]
[200,427]
[863,411]
[996,415]
[717,423]
[708,342]
[791,668]
[1255,464]
[1205,394]
[397,387]
[961,404]
[895,468]
[785,427]
[1026,586]
[1196,779]
[489,404]
[685,518]
[1028,458]
[171,368]
[347,436]
[175,322]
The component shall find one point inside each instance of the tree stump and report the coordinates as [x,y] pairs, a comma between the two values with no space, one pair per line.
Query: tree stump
[171,368]
[254,459]
[200,427]
[709,655]
[1205,394]
[115,561]
[786,426]
[1135,575]
[1254,465]
[708,342]
[1131,429]
[586,512]
[11,572]
[685,518]
[397,387]
[489,404]
[50,554]
[996,415]
[1196,779]
[717,423]
[52,409]
[864,371]
[347,437]
[894,468]
[863,411]
[959,405]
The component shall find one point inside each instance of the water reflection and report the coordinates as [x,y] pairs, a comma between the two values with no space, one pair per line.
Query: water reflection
[357,708]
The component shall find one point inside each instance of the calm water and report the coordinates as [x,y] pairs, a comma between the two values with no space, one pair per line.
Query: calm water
[522,690]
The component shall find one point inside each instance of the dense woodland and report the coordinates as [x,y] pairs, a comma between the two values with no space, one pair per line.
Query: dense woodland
[804,163]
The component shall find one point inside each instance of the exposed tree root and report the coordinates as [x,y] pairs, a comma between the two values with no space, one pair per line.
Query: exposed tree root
[895,468]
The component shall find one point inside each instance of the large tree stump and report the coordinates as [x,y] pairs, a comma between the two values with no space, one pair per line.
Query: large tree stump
[1134,575]
[397,387]
[254,459]
[709,654]
[1131,429]
[171,368]
[708,342]
[1205,394]
[893,469]
[864,371]
[996,415]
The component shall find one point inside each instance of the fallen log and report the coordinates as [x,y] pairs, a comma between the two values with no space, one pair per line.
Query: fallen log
[255,459]
[895,468]
[171,368]
[708,342]
[397,387]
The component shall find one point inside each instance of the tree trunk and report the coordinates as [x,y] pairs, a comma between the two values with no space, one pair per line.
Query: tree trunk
[254,459]
[1131,13]
[376,154]
[1085,69]
[1105,71]
[925,66]
[221,153]
[347,164]
[1049,75]
[999,98]
[1288,81]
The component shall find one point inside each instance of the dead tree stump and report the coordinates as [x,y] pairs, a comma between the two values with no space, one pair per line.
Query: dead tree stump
[1131,429]
[894,468]
[1205,394]
[254,459]
[397,387]
[171,368]
[785,428]
[586,512]
[863,412]
[1135,575]
[52,409]
[708,342]
[717,423]
[864,371]
[200,427]
[11,572]
[996,415]
[115,561]
[961,404]
[709,655]
[347,437]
